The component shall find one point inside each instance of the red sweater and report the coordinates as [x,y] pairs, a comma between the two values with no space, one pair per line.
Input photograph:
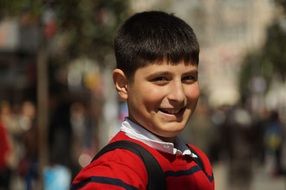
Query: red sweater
[121,169]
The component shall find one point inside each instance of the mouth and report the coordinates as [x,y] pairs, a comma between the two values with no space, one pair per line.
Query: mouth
[171,111]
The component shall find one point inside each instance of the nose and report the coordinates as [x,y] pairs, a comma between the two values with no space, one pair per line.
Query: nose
[177,92]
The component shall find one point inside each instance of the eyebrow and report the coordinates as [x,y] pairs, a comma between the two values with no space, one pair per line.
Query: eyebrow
[160,73]
[195,71]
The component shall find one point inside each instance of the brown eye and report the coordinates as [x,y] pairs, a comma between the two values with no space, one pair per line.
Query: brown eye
[160,80]
[189,79]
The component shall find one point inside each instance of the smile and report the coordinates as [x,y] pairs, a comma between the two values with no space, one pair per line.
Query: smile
[172,111]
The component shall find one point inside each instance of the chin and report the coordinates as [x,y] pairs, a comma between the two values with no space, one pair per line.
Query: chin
[168,137]
[167,134]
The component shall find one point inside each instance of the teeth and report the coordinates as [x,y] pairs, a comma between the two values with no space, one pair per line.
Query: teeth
[171,111]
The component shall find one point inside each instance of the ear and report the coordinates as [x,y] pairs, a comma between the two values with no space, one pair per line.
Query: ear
[120,81]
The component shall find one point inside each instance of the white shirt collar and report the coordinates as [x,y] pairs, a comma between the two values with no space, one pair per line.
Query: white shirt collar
[137,132]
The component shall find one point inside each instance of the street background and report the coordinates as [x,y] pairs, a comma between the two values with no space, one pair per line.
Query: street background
[58,106]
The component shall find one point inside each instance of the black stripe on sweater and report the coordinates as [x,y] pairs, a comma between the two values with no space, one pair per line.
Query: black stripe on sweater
[104,180]
[186,172]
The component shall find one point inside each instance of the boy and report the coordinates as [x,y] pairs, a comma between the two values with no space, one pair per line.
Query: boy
[157,58]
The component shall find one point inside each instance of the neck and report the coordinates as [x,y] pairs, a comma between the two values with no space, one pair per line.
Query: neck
[167,139]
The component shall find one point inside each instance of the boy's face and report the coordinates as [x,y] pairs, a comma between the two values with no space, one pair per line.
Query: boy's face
[162,97]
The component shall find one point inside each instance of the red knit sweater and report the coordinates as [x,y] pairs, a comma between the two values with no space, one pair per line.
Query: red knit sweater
[121,169]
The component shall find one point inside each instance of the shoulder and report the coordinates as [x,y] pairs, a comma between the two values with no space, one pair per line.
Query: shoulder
[118,159]
[117,165]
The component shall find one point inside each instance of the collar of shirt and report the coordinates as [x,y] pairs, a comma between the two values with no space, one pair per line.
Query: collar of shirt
[137,132]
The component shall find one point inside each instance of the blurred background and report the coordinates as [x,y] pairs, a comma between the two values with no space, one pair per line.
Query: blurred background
[58,105]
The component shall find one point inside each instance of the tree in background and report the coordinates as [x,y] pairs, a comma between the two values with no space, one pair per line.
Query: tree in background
[269,62]
[88,26]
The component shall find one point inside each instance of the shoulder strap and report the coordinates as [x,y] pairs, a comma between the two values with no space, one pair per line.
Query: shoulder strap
[156,176]
[197,159]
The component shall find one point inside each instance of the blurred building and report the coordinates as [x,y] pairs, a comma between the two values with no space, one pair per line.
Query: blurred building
[19,42]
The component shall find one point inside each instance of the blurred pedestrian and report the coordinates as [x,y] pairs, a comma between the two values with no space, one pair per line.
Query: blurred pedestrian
[274,138]
[28,165]
[60,132]
[5,151]
[238,141]
[83,146]
[261,120]
[10,120]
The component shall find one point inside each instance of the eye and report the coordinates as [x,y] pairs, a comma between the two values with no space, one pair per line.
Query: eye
[160,80]
[189,79]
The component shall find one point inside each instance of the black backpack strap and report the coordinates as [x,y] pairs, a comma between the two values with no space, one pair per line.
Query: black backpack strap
[156,176]
[200,163]
[197,159]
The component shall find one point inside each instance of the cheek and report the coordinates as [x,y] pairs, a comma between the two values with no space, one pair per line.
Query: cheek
[193,93]
[152,94]
[152,101]
[143,99]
